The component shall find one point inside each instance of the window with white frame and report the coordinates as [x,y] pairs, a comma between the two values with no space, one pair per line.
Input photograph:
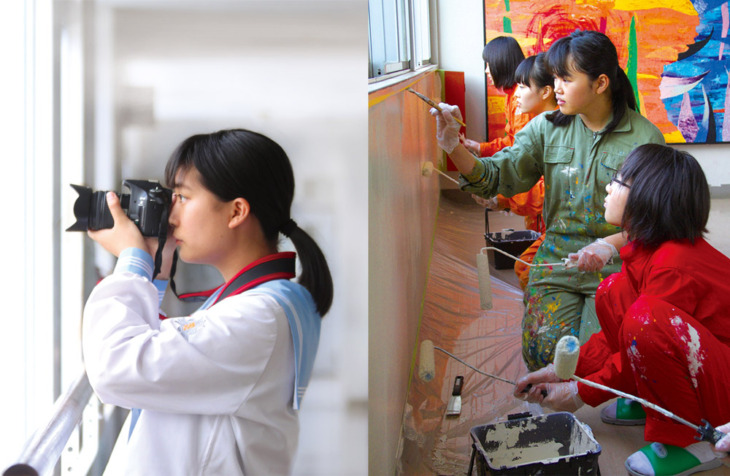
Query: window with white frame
[42,278]
[399,37]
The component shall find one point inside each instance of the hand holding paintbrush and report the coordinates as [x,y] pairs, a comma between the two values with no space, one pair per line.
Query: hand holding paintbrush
[433,104]
[448,125]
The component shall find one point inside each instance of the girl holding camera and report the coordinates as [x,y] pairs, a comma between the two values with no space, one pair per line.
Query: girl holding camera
[217,391]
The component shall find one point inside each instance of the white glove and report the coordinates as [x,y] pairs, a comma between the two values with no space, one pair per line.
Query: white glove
[594,256]
[563,397]
[471,145]
[491,203]
[447,129]
[724,443]
[545,388]
[525,386]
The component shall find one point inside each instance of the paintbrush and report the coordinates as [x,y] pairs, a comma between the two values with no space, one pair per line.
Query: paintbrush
[431,103]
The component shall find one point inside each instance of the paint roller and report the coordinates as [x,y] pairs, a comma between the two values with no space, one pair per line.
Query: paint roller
[427,367]
[566,361]
[427,169]
[485,287]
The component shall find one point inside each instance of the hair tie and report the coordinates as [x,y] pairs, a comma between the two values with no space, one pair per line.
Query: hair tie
[287,228]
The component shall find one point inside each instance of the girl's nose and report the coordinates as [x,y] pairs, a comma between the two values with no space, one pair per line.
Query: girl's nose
[557,86]
[172,219]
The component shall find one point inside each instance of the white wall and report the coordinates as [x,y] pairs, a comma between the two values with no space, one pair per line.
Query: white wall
[289,72]
[460,45]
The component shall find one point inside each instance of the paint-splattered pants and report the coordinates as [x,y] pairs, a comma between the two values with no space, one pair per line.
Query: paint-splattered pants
[552,312]
[558,302]
[651,349]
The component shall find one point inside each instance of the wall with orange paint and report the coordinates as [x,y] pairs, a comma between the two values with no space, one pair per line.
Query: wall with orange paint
[402,207]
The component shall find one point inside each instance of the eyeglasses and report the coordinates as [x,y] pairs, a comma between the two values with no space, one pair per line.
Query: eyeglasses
[620,182]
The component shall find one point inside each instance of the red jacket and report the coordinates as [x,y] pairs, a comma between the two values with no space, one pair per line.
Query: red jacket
[693,278]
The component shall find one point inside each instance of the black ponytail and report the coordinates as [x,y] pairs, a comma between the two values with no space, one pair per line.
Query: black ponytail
[241,163]
[315,275]
[593,54]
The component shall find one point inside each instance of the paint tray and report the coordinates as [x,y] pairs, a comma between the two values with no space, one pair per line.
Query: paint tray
[512,242]
[552,444]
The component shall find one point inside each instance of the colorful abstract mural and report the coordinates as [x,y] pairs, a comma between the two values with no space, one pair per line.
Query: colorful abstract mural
[675,52]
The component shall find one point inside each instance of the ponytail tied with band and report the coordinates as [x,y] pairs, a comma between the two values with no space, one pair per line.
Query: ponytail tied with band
[288,227]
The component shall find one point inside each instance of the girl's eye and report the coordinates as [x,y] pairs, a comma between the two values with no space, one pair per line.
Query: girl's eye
[179,197]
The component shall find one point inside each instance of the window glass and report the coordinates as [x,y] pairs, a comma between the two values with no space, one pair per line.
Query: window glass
[399,36]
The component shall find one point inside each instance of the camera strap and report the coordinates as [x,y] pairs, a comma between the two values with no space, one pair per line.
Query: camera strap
[161,240]
[277,266]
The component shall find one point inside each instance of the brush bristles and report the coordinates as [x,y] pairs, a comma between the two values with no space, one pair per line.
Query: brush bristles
[426,366]
[566,357]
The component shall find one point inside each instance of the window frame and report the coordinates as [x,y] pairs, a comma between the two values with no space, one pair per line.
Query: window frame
[414,39]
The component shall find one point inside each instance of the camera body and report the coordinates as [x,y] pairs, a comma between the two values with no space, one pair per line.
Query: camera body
[147,204]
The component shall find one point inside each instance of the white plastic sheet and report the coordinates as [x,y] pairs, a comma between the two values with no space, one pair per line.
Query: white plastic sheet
[490,340]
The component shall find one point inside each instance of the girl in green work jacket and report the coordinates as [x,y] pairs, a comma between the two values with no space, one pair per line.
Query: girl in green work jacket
[578,149]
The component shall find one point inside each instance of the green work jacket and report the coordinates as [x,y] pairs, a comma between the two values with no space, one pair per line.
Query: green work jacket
[577,164]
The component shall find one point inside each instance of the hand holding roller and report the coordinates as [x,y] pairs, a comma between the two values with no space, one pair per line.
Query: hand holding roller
[566,361]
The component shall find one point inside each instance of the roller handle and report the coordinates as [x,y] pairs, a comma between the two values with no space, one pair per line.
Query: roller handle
[529,386]
[709,433]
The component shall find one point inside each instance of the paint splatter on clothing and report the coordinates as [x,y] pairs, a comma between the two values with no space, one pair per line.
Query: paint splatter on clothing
[690,340]
[665,336]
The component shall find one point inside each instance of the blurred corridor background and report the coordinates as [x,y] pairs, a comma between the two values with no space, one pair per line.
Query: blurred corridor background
[99,91]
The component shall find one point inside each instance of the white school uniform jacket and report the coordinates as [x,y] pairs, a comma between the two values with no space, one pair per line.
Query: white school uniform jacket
[218,390]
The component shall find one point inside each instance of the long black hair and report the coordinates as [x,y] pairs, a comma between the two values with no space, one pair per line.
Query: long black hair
[593,54]
[669,198]
[503,54]
[240,163]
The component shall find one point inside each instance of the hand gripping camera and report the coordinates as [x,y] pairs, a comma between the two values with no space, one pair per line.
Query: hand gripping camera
[147,204]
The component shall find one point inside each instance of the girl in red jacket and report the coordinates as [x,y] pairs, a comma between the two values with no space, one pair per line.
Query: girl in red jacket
[665,318]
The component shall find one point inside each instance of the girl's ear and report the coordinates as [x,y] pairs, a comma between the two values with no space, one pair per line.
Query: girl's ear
[601,84]
[547,91]
[240,210]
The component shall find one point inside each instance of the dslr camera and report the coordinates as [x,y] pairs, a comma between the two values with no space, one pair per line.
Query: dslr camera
[147,204]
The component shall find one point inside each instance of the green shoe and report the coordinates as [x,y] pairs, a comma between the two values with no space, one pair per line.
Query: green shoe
[624,412]
[658,459]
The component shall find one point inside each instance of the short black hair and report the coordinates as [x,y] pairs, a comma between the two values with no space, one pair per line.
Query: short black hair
[669,198]
[533,70]
[503,54]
